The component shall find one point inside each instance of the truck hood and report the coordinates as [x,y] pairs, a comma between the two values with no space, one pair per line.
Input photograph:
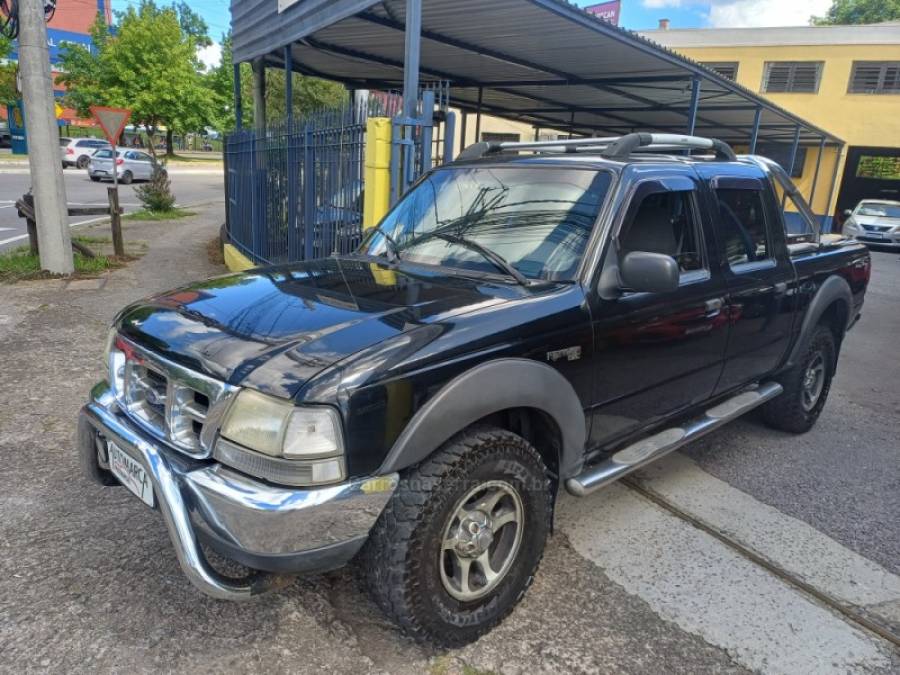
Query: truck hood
[274,328]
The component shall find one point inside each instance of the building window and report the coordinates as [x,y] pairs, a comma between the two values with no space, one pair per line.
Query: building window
[875,77]
[725,69]
[490,137]
[798,77]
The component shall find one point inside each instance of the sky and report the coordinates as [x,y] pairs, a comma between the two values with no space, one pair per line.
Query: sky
[636,15]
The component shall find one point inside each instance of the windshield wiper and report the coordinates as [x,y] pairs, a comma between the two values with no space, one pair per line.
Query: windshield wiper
[498,260]
[394,247]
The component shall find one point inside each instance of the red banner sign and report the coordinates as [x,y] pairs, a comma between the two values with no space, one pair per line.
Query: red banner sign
[608,11]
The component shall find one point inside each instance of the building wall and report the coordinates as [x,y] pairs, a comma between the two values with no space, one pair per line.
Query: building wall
[859,119]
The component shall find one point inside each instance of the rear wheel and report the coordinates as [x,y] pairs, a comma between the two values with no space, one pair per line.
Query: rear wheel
[126,178]
[82,162]
[460,541]
[806,386]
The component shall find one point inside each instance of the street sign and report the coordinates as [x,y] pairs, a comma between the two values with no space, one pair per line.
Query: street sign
[111,120]
[59,110]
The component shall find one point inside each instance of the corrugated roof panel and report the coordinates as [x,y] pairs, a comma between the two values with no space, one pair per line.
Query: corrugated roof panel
[537,60]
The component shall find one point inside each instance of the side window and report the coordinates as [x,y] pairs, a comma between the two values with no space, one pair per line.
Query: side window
[667,223]
[742,224]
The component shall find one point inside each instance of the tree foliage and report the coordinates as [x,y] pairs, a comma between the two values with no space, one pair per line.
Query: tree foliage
[149,65]
[859,12]
[309,93]
[7,73]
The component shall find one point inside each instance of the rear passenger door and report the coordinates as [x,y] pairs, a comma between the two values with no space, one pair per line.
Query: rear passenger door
[658,353]
[759,275]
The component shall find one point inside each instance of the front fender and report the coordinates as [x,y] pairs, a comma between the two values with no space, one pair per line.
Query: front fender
[489,388]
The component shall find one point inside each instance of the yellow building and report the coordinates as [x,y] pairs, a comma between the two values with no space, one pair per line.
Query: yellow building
[845,79]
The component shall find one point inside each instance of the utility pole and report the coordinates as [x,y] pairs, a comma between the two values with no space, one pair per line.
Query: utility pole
[42,133]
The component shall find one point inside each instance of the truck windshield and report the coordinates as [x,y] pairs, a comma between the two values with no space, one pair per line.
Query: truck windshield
[536,219]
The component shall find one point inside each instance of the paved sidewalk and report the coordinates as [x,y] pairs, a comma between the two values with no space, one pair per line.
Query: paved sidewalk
[91,582]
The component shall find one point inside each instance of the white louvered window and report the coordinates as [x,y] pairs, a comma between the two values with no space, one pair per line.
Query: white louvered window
[725,69]
[875,77]
[798,77]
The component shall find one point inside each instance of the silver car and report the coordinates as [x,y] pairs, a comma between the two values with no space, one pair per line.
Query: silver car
[131,165]
[874,221]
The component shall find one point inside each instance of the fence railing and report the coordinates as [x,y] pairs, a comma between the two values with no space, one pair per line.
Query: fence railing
[295,190]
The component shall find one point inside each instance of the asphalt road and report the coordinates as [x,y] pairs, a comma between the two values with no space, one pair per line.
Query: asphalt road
[191,185]
[750,551]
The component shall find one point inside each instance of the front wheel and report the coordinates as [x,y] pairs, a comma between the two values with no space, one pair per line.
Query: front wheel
[461,539]
[806,386]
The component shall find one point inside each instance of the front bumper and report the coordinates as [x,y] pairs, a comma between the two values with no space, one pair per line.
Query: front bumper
[886,242]
[268,528]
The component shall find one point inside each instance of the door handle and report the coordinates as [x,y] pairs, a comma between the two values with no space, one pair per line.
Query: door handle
[714,307]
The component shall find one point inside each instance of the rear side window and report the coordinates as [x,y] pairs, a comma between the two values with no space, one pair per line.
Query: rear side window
[665,222]
[742,224]
[103,154]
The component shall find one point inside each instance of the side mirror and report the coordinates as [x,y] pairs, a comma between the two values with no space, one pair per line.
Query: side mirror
[649,272]
[848,213]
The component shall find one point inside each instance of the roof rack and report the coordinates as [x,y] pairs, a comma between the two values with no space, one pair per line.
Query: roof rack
[610,147]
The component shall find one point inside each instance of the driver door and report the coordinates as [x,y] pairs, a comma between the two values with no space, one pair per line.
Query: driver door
[658,353]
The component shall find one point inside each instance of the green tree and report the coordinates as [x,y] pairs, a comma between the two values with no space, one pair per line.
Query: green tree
[859,11]
[192,24]
[148,64]
[309,93]
[7,73]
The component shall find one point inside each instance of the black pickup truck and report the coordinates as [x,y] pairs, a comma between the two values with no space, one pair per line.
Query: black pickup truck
[527,318]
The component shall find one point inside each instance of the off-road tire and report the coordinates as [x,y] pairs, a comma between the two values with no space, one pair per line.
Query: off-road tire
[126,178]
[787,412]
[402,557]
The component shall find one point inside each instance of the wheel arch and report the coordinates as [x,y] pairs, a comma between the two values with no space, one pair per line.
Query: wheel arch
[521,395]
[832,305]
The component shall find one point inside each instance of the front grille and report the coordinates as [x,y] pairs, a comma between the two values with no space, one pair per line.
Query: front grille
[876,228]
[175,404]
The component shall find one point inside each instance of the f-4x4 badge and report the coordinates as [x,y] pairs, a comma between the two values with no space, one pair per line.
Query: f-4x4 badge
[569,354]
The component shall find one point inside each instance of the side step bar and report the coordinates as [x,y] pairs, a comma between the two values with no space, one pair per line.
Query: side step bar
[650,449]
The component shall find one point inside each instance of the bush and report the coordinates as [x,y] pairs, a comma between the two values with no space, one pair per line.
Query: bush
[156,194]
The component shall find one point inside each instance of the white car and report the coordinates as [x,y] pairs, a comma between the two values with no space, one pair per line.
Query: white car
[874,221]
[131,165]
[77,151]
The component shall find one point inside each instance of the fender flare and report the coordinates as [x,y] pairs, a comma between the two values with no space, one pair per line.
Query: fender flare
[834,289]
[488,388]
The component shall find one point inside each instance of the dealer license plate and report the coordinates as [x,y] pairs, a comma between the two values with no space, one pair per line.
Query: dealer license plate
[131,474]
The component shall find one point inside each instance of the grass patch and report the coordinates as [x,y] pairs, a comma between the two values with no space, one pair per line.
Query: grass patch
[215,159]
[20,265]
[172,214]
[90,239]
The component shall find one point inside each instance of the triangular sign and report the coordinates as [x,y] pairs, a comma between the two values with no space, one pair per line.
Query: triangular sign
[111,120]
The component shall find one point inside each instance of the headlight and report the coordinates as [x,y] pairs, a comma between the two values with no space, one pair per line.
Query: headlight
[305,443]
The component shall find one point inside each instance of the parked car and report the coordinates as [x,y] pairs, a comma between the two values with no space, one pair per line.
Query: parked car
[874,221]
[77,151]
[517,324]
[131,165]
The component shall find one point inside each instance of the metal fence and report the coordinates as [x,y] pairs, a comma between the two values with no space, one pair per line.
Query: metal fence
[295,190]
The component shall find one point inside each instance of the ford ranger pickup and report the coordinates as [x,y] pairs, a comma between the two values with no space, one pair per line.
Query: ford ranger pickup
[528,318]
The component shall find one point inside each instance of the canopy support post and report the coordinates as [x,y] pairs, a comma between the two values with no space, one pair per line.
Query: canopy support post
[288,84]
[794,148]
[411,60]
[478,114]
[829,216]
[462,131]
[812,191]
[754,136]
[695,106]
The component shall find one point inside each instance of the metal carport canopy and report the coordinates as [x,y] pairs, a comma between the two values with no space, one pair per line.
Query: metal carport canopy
[544,62]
